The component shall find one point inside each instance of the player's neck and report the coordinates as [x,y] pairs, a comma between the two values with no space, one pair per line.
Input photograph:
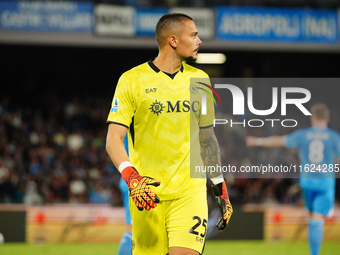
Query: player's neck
[168,63]
[319,124]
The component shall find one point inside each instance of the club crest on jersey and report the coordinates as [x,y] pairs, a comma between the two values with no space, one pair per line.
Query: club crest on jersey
[115,105]
[157,107]
[193,89]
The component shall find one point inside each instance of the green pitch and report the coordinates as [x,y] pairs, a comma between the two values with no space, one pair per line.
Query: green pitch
[212,248]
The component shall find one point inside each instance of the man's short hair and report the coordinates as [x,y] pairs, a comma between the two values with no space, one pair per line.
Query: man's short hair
[167,24]
[320,111]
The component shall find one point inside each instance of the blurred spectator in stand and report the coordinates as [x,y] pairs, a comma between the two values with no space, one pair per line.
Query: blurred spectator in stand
[100,194]
[78,189]
[7,188]
[32,197]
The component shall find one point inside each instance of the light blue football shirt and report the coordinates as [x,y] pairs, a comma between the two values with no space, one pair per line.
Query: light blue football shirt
[318,148]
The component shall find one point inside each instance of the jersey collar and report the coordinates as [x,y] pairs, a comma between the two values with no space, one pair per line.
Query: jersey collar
[320,128]
[157,70]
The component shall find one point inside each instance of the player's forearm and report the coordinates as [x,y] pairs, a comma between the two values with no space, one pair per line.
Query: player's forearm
[273,141]
[210,153]
[210,150]
[114,145]
[115,149]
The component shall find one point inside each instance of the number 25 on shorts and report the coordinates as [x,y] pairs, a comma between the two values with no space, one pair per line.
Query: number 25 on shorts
[200,236]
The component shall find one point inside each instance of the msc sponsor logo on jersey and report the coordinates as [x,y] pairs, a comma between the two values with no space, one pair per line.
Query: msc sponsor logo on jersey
[158,107]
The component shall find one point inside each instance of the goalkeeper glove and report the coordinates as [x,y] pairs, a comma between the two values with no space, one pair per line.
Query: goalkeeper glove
[140,192]
[222,199]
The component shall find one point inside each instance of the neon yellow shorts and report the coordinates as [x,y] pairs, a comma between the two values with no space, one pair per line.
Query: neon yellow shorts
[174,223]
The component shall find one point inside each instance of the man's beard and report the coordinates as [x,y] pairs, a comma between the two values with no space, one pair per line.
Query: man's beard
[190,59]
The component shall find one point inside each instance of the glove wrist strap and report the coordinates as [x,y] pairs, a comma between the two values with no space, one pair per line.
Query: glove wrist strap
[128,171]
[220,189]
[217,189]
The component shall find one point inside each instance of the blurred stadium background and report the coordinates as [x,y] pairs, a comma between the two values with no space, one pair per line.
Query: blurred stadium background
[60,62]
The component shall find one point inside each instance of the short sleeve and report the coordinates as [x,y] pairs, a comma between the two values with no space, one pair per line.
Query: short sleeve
[294,139]
[207,120]
[122,107]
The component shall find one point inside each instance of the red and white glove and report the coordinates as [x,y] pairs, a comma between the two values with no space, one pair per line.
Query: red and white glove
[222,199]
[140,192]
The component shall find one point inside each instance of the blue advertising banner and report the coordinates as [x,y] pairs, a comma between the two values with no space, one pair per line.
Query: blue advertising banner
[46,16]
[146,20]
[276,25]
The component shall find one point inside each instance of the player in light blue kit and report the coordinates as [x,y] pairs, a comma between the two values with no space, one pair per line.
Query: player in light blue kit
[125,245]
[318,147]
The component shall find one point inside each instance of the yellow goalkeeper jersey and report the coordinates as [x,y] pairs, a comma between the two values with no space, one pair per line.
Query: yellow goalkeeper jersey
[163,115]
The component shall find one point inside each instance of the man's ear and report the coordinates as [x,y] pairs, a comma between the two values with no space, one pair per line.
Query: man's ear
[173,41]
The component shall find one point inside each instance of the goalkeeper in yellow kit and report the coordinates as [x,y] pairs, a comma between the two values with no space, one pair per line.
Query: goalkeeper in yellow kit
[152,102]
